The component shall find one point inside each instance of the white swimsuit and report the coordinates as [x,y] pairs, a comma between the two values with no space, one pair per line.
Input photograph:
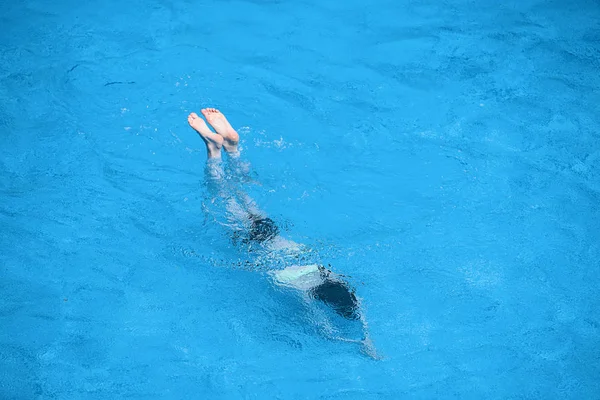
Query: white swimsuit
[301,277]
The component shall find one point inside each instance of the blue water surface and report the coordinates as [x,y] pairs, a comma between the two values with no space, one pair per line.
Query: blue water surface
[442,154]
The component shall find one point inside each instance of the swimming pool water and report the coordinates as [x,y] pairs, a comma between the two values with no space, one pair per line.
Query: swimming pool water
[444,155]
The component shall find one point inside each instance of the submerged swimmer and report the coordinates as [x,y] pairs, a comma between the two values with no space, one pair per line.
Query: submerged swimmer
[314,281]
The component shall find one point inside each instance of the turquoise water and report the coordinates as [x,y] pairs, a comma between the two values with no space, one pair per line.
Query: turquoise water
[443,155]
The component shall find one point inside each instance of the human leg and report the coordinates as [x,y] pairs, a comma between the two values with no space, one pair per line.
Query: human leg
[213,141]
[222,126]
[248,221]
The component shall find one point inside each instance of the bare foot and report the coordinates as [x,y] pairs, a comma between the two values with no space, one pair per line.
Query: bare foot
[218,121]
[212,140]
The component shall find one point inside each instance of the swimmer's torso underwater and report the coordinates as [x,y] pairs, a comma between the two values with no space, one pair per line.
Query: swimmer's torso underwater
[313,282]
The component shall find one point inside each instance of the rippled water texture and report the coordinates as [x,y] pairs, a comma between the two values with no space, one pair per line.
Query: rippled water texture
[443,155]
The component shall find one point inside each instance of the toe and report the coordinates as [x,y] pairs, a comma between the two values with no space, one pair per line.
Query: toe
[193,115]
